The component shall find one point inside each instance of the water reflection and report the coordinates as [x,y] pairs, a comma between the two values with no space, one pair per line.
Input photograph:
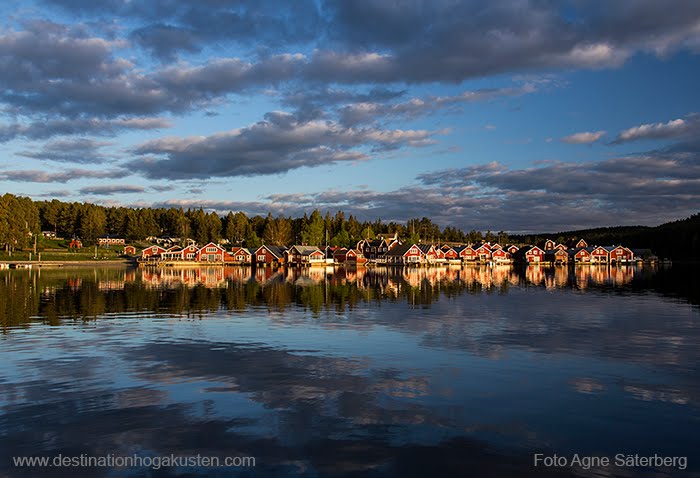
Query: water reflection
[350,372]
[50,294]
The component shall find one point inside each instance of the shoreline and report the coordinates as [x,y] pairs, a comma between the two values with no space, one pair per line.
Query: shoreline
[86,263]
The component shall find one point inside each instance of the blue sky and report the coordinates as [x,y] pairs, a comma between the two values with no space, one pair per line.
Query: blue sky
[503,115]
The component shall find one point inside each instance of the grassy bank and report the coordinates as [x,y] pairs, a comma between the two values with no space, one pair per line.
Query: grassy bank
[64,256]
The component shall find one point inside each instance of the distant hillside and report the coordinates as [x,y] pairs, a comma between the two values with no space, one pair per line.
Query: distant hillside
[673,240]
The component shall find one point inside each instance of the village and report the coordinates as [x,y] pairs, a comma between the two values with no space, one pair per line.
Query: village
[388,251]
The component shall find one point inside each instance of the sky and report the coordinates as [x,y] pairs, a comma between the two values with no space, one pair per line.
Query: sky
[515,115]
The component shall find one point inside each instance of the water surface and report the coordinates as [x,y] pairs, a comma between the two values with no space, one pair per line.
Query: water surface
[334,372]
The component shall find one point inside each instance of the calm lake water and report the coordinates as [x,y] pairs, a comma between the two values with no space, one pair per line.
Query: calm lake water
[322,372]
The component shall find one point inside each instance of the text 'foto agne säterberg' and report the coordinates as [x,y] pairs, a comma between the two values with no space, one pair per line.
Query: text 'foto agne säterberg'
[620,459]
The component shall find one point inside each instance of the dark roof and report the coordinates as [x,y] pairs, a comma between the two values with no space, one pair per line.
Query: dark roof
[375,243]
[277,251]
[554,252]
[306,250]
[525,249]
[424,247]
[399,250]
[573,252]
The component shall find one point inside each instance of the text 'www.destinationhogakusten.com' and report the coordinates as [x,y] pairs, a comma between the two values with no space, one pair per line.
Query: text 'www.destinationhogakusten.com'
[133,461]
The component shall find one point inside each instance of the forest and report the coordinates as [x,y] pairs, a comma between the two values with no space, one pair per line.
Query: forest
[21,218]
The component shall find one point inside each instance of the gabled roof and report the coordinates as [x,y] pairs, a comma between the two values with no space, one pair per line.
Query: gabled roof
[238,250]
[425,248]
[612,248]
[551,252]
[573,252]
[459,249]
[526,249]
[305,250]
[277,251]
[211,244]
[376,242]
[401,250]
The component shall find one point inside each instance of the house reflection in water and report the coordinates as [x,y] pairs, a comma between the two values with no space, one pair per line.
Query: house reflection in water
[485,277]
[89,292]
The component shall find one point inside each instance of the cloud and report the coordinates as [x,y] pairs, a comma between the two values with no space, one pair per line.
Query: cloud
[561,195]
[556,196]
[179,26]
[586,137]
[80,126]
[275,145]
[311,104]
[677,128]
[110,190]
[38,176]
[452,41]
[52,69]
[363,112]
[85,151]
[60,193]
[162,187]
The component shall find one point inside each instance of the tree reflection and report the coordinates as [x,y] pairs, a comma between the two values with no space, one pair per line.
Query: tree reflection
[84,294]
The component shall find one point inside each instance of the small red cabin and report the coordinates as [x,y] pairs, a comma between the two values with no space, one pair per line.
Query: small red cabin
[152,251]
[211,253]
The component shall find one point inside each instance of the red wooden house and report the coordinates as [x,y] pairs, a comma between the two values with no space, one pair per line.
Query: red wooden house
[270,254]
[560,247]
[405,254]
[189,253]
[619,254]
[152,252]
[556,256]
[579,255]
[500,256]
[241,255]
[441,258]
[512,249]
[599,254]
[483,252]
[129,250]
[451,255]
[211,253]
[430,253]
[467,254]
[305,255]
[340,255]
[349,256]
[549,245]
[530,254]
[581,244]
